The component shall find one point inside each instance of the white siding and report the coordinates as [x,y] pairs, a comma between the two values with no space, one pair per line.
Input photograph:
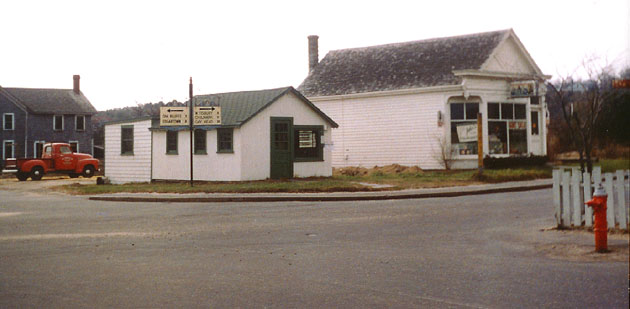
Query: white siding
[384,130]
[212,166]
[256,140]
[509,58]
[128,168]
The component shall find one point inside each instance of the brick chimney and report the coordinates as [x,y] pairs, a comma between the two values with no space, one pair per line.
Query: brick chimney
[76,87]
[313,53]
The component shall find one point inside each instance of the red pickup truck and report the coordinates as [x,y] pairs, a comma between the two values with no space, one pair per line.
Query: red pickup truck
[56,158]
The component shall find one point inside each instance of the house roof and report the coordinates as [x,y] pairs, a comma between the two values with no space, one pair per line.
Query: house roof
[415,64]
[238,107]
[51,101]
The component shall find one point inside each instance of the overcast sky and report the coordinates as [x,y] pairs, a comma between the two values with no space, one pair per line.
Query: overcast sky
[130,52]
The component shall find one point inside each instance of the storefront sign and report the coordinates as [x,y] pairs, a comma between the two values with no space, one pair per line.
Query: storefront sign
[467,133]
[523,89]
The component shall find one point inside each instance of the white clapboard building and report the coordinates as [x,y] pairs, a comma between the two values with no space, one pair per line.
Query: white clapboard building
[406,102]
[275,133]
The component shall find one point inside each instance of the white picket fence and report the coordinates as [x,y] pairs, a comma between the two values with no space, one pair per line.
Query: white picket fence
[570,192]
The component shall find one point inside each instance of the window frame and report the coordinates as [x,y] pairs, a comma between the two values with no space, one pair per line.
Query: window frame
[319,148]
[457,150]
[55,123]
[123,151]
[76,126]
[4,121]
[4,148]
[509,121]
[225,131]
[74,142]
[175,135]
[199,151]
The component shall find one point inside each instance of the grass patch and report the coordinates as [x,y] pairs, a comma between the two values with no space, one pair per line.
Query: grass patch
[612,165]
[396,179]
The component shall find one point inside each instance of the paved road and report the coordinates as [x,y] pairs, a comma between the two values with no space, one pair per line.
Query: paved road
[476,251]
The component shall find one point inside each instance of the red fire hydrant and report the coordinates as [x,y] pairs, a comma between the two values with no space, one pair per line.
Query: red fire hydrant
[600,226]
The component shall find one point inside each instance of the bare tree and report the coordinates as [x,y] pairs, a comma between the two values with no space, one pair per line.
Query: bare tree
[444,152]
[581,102]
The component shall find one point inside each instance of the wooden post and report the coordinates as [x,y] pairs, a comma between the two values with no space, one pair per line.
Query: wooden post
[575,197]
[557,180]
[610,210]
[566,199]
[479,143]
[621,200]
[588,211]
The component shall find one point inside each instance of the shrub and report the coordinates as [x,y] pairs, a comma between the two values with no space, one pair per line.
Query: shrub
[514,162]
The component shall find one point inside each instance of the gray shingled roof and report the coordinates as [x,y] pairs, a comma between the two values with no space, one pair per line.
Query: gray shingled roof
[52,101]
[396,66]
[238,107]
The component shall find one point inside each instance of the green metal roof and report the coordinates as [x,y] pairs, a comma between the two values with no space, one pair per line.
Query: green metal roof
[238,107]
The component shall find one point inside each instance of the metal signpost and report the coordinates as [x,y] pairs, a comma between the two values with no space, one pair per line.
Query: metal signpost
[180,116]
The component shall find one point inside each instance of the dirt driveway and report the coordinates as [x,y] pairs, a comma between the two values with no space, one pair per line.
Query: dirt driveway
[43,186]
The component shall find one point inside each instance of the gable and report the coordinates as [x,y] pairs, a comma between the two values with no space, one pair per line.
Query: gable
[509,58]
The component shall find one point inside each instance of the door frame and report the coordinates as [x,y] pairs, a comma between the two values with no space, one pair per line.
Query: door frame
[272,121]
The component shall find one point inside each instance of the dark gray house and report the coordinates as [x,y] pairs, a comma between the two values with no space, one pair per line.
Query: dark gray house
[34,116]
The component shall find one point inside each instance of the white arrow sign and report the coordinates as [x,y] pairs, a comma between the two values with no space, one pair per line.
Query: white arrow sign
[173,116]
[207,115]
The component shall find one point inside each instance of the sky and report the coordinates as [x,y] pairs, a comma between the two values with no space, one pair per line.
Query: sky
[131,52]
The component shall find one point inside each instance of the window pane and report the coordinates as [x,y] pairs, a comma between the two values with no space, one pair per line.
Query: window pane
[507,111]
[171,141]
[225,137]
[534,100]
[306,144]
[65,149]
[497,137]
[519,111]
[58,122]
[200,141]
[80,123]
[472,109]
[8,122]
[493,111]
[457,111]
[518,141]
[464,137]
[534,116]
[74,147]
[126,145]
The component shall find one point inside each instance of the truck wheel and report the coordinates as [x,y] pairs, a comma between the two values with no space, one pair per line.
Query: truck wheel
[88,171]
[37,173]
[73,175]
[21,176]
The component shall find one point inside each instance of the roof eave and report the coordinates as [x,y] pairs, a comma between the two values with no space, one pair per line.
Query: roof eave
[500,75]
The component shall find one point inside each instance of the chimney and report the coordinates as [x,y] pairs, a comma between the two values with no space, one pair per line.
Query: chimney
[313,55]
[76,88]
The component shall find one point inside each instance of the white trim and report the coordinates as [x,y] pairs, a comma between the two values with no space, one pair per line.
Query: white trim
[12,142]
[77,142]
[35,147]
[12,122]
[500,75]
[75,123]
[55,122]
[387,93]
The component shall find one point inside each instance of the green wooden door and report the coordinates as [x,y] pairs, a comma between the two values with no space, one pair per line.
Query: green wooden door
[281,148]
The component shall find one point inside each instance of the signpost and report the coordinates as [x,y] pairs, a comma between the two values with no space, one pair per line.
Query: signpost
[207,115]
[180,116]
[173,116]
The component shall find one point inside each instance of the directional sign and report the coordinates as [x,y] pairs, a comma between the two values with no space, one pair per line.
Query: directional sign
[207,115]
[173,116]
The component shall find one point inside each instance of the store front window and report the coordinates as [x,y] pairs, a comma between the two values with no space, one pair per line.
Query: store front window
[464,128]
[507,128]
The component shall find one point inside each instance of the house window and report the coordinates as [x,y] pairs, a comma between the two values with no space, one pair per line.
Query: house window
[225,139]
[38,148]
[79,122]
[507,128]
[8,149]
[200,142]
[307,144]
[126,140]
[171,142]
[535,129]
[58,122]
[8,121]
[74,145]
[464,128]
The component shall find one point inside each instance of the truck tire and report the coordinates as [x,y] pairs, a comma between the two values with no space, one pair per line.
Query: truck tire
[21,176]
[88,171]
[37,173]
